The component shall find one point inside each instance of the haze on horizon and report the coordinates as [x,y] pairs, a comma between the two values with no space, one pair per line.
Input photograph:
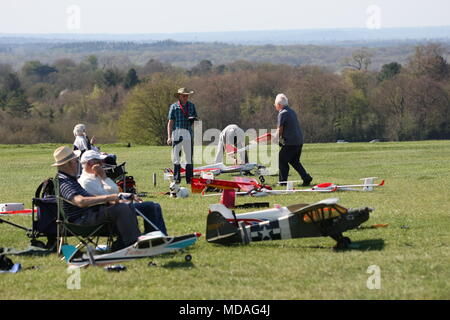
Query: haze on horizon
[176,16]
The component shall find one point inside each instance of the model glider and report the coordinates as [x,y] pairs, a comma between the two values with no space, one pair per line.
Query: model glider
[324,218]
[149,245]
[367,185]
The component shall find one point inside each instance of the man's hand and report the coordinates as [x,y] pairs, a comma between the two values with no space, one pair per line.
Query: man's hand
[93,140]
[99,172]
[169,141]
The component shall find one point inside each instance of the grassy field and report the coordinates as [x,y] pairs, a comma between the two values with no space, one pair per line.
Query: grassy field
[412,253]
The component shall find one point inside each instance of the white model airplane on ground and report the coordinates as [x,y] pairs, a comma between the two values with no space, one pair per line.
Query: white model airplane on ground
[148,245]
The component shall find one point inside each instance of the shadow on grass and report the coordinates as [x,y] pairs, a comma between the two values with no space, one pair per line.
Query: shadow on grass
[364,245]
[367,245]
[178,265]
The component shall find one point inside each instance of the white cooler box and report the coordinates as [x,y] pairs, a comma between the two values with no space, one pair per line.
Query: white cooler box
[11,206]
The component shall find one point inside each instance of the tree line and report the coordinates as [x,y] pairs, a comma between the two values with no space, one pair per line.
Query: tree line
[399,101]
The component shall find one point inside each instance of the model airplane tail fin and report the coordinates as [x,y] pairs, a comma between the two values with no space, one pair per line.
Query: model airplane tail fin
[68,252]
[219,230]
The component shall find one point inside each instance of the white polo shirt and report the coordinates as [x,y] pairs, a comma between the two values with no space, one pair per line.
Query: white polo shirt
[97,186]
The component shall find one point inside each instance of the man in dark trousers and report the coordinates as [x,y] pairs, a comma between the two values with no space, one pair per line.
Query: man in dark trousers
[98,209]
[290,138]
[182,115]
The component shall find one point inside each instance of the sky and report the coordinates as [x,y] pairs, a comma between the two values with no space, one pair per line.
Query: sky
[176,16]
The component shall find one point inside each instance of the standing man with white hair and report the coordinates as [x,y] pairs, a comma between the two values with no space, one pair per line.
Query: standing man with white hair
[290,138]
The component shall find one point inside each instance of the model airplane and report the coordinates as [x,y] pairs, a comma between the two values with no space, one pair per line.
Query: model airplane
[231,150]
[367,185]
[216,169]
[198,185]
[149,245]
[324,218]
[245,186]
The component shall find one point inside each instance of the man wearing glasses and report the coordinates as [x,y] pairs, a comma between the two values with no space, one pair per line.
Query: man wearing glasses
[97,209]
[94,180]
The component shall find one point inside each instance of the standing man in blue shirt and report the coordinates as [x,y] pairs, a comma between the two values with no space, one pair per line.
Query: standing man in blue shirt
[290,138]
[182,115]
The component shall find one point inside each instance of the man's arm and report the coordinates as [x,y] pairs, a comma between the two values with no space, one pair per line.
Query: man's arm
[169,132]
[83,202]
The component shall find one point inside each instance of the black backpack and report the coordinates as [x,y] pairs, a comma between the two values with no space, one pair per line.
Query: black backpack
[5,263]
[45,189]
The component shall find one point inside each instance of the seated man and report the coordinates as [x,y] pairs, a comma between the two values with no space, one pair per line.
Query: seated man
[94,180]
[99,209]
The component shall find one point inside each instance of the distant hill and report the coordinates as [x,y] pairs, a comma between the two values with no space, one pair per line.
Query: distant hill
[351,36]
[324,47]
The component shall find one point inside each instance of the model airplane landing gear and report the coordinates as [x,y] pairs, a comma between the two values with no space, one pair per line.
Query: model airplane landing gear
[188,258]
[343,243]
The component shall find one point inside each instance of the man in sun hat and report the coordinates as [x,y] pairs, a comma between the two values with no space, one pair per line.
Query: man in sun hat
[100,209]
[182,115]
[94,181]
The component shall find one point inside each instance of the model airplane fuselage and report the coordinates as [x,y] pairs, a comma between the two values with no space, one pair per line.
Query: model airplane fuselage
[324,218]
[216,169]
[149,245]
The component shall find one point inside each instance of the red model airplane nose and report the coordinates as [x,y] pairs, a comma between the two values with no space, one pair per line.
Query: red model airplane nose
[198,234]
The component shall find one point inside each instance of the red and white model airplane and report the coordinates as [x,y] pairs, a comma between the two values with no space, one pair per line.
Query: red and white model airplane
[367,185]
[231,150]
[216,169]
[244,186]
[249,186]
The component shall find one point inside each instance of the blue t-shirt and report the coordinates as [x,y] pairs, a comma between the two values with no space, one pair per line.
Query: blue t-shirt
[292,133]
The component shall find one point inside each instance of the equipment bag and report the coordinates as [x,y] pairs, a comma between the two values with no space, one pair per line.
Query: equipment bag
[45,189]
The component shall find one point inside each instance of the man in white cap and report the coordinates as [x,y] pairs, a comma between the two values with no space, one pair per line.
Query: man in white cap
[94,181]
[99,209]
[182,115]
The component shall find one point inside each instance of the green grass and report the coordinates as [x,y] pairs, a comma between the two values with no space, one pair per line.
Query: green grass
[412,252]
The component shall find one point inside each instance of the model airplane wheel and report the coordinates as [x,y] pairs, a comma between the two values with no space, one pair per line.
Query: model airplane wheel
[188,258]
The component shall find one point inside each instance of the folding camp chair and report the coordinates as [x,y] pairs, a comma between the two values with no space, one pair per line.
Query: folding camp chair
[118,174]
[85,234]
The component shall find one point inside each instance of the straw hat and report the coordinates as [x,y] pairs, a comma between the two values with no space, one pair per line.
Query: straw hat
[183,91]
[63,155]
